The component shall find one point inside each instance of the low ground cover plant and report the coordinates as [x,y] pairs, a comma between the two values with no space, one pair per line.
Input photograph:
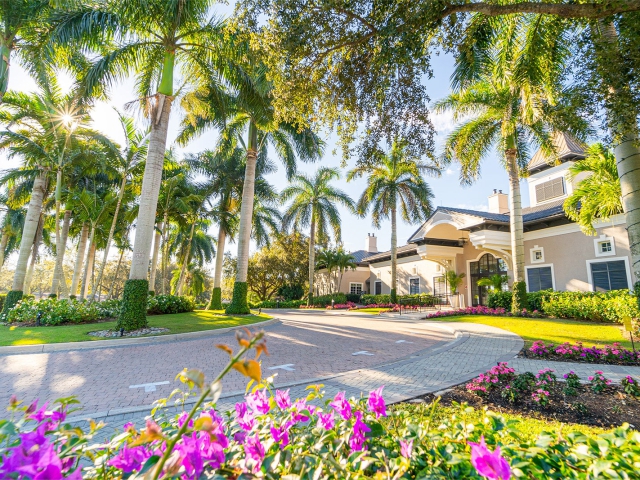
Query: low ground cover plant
[482,310]
[577,352]
[272,435]
[278,304]
[55,312]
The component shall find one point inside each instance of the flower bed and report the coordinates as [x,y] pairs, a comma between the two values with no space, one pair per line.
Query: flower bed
[342,306]
[613,354]
[270,435]
[481,310]
[593,401]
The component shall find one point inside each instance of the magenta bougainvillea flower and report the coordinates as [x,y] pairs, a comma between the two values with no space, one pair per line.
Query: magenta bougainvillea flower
[326,420]
[487,463]
[300,408]
[254,450]
[282,399]
[342,405]
[130,459]
[356,441]
[406,447]
[258,402]
[244,417]
[281,434]
[376,403]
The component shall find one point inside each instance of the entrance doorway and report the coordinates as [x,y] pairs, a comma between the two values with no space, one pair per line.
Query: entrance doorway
[486,266]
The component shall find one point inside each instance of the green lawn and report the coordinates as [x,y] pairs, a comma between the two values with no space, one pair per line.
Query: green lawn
[177,323]
[372,311]
[528,426]
[554,330]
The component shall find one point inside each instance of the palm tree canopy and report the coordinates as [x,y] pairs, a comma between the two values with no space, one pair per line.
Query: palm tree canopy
[315,199]
[598,196]
[395,181]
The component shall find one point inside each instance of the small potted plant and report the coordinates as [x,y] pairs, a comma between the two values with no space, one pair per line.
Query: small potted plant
[454,280]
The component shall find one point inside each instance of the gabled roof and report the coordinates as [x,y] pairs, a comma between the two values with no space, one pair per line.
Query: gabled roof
[359,255]
[567,148]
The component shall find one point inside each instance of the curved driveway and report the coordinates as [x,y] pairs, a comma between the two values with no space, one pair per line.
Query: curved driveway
[308,344]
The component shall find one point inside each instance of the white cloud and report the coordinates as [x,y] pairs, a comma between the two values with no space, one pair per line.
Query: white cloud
[449,171]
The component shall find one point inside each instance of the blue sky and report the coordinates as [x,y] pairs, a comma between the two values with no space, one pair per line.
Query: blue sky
[446,188]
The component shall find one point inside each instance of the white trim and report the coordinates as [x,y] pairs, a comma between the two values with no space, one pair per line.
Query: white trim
[414,278]
[532,253]
[601,239]
[609,259]
[356,283]
[526,274]
[571,228]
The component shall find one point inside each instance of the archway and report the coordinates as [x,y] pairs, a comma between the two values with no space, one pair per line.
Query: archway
[486,266]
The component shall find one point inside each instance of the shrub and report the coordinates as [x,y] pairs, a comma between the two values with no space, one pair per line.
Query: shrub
[2,298]
[133,312]
[11,299]
[519,297]
[164,304]
[239,305]
[599,382]
[371,299]
[630,386]
[614,353]
[499,299]
[342,306]
[324,300]
[276,304]
[109,308]
[291,292]
[54,312]
[609,306]
[497,376]
[216,299]
[353,297]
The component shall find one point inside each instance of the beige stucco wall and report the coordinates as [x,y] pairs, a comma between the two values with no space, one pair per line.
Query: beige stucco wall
[424,270]
[323,282]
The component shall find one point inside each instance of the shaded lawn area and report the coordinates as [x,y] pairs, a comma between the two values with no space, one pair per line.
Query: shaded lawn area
[196,321]
[556,330]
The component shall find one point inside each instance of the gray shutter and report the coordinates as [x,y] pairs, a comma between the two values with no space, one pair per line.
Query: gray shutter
[551,189]
[539,279]
[609,276]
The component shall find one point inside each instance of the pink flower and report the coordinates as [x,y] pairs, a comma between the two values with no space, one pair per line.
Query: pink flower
[282,399]
[342,405]
[356,441]
[300,406]
[489,464]
[258,402]
[254,450]
[244,417]
[406,447]
[281,434]
[376,403]
[130,459]
[326,420]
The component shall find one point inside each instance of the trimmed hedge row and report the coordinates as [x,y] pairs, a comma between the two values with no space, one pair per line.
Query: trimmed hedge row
[609,306]
[415,299]
[275,304]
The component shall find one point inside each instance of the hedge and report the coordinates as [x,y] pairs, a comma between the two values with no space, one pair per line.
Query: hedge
[415,299]
[325,300]
[609,306]
[276,304]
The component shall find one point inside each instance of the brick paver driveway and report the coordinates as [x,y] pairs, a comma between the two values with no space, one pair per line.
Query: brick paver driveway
[309,344]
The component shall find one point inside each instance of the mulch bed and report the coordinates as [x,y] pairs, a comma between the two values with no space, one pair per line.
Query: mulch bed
[608,409]
[525,353]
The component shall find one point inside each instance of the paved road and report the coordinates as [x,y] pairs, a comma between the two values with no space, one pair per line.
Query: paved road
[313,344]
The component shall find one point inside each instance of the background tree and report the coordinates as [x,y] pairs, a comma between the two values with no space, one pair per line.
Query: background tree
[344,261]
[598,195]
[395,183]
[314,203]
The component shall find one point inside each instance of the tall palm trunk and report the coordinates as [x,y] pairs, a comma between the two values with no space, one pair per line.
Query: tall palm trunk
[58,284]
[239,302]
[312,256]
[394,250]
[115,277]
[29,230]
[185,261]
[154,258]
[216,294]
[5,55]
[3,246]
[133,314]
[88,266]
[516,229]
[165,255]
[112,230]
[35,254]
[77,269]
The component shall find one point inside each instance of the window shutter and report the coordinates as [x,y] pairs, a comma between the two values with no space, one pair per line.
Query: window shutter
[539,279]
[551,189]
[609,276]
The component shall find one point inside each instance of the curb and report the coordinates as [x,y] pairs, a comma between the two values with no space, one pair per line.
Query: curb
[125,342]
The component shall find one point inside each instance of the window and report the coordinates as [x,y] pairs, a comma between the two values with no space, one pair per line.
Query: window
[537,254]
[604,247]
[439,286]
[414,286]
[609,276]
[355,288]
[540,278]
[378,287]
[548,190]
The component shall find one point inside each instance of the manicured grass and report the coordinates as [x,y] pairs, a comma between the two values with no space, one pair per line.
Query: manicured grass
[554,330]
[197,321]
[372,311]
[529,427]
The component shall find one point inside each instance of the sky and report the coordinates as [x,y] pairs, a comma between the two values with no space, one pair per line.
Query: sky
[446,188]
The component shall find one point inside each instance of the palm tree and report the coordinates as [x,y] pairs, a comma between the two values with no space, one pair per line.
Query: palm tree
[495,282]
[598,196]
[504,84]
[344,261]
[151,39]
[193,248]
[10,227]
[252,114]
[395,182]
[327,258]
[314,205]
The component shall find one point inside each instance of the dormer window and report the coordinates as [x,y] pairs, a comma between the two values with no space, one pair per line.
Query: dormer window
[549,190]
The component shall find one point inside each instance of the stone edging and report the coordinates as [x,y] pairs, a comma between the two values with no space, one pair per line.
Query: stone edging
[459,337]
[125,342]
